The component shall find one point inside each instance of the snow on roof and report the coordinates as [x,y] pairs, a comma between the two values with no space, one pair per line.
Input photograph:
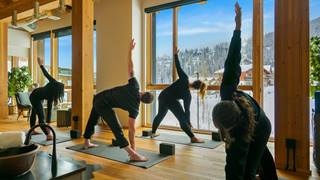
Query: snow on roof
[245,68]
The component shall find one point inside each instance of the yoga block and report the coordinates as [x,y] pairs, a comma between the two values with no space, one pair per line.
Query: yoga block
[216,136]
[146,133]
[75,134]
[167,149]
[114,142]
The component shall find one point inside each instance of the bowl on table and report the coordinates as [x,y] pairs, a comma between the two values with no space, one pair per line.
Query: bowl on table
[17,161]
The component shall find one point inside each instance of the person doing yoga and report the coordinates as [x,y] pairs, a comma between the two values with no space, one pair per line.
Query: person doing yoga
[53,92]
[243,125]
[126,97]
[169,100]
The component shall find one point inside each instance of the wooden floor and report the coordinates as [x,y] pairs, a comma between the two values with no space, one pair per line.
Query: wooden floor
[188,163]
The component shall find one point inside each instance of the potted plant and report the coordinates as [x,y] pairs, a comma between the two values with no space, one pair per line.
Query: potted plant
[19,79]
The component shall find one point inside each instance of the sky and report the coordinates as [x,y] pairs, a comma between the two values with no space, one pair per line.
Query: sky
[199,25]
[65,51]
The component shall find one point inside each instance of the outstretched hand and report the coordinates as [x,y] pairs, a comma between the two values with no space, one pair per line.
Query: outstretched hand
[238,15]
[40,61]
[132,44]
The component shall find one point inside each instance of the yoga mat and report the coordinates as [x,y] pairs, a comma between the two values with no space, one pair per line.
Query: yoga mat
[180,139]
[42,140]
[108,151]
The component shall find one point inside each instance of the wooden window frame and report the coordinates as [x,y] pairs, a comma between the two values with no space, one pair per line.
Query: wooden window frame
[257,56]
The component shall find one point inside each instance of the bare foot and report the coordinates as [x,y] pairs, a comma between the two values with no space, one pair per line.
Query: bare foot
[137,158]
[153,135]
[196,140]
[88,144]
[49,137]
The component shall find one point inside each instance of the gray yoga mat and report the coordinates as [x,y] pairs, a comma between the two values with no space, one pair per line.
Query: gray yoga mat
[108,151]
[41,138]
[180,139]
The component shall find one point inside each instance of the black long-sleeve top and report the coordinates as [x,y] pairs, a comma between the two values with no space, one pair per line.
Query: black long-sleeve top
[45,92]
[179,89]
[237,153]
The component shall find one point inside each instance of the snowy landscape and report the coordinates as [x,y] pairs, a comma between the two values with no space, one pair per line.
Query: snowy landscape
[207,61]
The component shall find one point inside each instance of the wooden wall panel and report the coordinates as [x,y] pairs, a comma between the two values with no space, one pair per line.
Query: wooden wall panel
[257,51]
[82,61]
[3,70]
[292,81]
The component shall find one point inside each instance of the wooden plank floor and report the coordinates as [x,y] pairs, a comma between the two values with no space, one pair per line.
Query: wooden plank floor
[188,163]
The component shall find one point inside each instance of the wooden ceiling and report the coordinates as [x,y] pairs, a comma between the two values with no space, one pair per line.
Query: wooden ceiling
[7,6]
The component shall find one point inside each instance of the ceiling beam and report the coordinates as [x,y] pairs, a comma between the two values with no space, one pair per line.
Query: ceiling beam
[20,6]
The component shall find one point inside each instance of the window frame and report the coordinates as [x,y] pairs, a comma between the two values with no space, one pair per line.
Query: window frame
[257,57]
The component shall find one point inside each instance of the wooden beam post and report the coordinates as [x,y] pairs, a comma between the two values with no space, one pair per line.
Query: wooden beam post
[292,81]
[175,41]
[257,51]
[54,55]
[34,61]
[30,59]
[82,61]
[3,70]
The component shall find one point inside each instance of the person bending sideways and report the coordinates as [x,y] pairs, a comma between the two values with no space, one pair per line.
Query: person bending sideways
[126,97]
[169,100]
[53,92]
[242,123]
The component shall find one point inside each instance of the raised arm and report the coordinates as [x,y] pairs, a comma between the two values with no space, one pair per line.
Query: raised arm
[130,62]
[181,73]
[44,71]
[232,69]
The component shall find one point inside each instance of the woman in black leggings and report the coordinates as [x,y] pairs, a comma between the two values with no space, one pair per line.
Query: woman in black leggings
[168,100]
[53,92]
[243,124]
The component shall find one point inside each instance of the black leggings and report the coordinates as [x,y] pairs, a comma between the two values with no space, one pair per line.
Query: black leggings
[101,108]
[175,107]
[267,169]
[37,110]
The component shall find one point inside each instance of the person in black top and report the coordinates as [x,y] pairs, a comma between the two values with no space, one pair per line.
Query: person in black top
[169,100]
[242,123]
[53,92]
[126,97]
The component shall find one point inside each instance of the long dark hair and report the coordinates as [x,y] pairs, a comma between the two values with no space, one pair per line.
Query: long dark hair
[234,118]
[57,92]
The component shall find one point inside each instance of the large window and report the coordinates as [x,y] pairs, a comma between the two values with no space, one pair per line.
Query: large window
[269,60]
[268,49]
[203,33]
[65,64]
[61,61]
[162,53]
[43,51]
